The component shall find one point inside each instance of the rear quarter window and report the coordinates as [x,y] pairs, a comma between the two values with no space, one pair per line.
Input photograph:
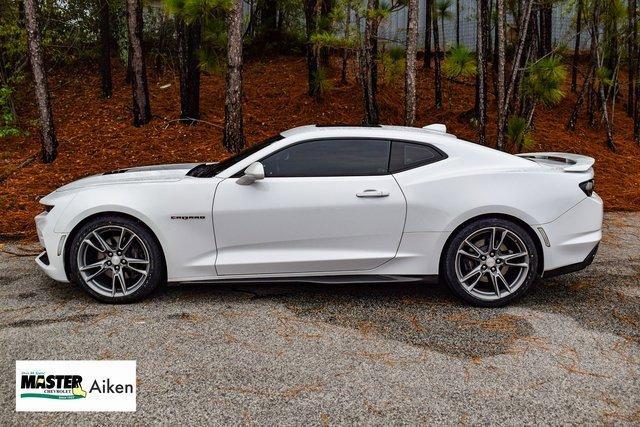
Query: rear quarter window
[409,155]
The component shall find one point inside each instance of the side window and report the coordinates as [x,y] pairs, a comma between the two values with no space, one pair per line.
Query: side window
[330,157]
[407,155]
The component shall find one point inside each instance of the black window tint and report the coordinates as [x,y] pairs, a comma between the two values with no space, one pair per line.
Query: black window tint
[405,155]
[331,157]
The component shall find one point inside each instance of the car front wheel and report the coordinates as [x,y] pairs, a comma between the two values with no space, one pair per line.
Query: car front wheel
[490,262]
[116,259]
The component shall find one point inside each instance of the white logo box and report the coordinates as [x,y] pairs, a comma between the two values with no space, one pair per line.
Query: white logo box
[76,385]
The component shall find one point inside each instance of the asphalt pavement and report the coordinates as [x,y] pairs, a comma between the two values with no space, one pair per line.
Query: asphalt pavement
[375,354]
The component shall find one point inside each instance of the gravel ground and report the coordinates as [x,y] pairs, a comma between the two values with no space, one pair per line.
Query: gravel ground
[568,353]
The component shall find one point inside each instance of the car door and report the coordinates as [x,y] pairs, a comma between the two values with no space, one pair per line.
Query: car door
[324,206]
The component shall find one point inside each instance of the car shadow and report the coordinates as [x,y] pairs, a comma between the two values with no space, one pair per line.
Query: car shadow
[427,315]
[424,315]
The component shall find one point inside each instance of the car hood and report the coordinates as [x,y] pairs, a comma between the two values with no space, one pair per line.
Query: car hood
[154,173]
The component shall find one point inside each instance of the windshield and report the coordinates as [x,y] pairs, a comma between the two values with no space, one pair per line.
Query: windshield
[208,170]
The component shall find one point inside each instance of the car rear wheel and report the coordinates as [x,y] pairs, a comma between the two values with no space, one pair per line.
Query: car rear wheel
[116,260]
[490,262]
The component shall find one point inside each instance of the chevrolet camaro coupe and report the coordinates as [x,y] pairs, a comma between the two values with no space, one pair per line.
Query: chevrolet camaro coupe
[330,204]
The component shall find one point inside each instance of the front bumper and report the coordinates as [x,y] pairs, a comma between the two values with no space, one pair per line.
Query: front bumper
[572,239]
[51,261]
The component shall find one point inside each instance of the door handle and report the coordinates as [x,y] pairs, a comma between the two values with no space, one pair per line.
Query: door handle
[372,193]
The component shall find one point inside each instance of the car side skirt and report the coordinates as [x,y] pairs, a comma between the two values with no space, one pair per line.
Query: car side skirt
[333,279]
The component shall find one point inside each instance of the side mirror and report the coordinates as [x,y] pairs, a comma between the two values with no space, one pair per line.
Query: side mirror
[252,173]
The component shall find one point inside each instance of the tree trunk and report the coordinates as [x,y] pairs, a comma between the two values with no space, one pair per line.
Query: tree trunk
[158,63]
[410,70]
[636,107]
[457,22]
[488,43]
[280,21]
[47,128]
[605,117]
[325,25]
[632,52]
[312,13]
[436,60]
[188,38]
[252,19]
[427,33]
[549,33]
[494,57]
[371,115]
[532,109]
[481,84]
[518,60]
[233,133]
[345,52]
[500,22]
[527,56]
[571,124]
[268,18]
[611,57]
[141,107]
[444,43]
[546,18]
[576,48]
[128,74]
[534,41]
[375,54]
[105,49]
[593,58]
[21,16]
[611,54]
[591,105]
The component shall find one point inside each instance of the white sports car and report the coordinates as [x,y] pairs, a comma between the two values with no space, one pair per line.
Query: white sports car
[330,204]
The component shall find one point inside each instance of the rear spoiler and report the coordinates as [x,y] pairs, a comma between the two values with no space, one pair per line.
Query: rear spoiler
[566,161]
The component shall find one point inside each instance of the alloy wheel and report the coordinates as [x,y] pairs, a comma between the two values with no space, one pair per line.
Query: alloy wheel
[492,263]
[113,260]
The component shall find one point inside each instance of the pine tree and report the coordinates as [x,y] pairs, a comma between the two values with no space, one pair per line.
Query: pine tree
[427,33]
[410,70]
[141,106]
[500,40]
[369,66]
[189,36]
[104,34]
[481,83]
[47,128]
[576,48]
[438,72]
[233,131]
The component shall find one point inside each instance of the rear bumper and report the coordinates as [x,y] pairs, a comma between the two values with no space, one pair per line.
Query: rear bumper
[572,268]
[572,239]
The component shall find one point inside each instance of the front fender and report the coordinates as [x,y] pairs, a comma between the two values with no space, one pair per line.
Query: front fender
[188,245]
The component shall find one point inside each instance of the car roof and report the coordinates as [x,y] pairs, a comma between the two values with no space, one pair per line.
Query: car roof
[434,135]
[438,130]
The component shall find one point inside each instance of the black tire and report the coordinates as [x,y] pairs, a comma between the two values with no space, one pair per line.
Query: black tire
[526,279]
[155,276]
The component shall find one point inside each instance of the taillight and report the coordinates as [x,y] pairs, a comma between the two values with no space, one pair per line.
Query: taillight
[588,187]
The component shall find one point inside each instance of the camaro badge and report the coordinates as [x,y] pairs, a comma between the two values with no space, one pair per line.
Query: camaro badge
[186,217]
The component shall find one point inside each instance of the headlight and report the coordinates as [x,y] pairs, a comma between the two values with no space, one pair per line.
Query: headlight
[47,208]
[588,187]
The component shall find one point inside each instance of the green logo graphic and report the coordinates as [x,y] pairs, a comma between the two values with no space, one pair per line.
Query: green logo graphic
[59,387]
